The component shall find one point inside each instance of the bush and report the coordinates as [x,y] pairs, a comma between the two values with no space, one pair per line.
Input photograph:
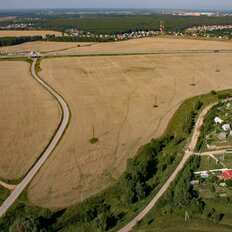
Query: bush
[211,188]
[223,96]
[198,105]
[27,224]
[213,92]
[228,183]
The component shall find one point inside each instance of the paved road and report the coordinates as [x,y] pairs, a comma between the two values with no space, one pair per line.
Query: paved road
[64,123]
[122,53]
[187,154]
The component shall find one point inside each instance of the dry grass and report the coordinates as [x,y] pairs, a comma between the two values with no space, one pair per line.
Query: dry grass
[40,46]
[116,95]
[17,33]
[146,44]
[28,116]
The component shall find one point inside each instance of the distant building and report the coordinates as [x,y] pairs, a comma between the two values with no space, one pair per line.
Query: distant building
[218,120]
[194,182]
[227,175]
[228,105]
[204,175]
[226,127]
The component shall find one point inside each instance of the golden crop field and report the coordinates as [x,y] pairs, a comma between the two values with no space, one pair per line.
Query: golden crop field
[28,118]
[17,33]
[112,98]
[139,45]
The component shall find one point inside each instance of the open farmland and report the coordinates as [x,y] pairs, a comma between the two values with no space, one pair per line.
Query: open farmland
[137,45]
[115,96]
[18,33]
[29,116]
[45,47]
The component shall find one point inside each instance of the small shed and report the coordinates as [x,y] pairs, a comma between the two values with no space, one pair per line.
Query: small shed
[194,182]
[226,127]
[218,120]
[222,135]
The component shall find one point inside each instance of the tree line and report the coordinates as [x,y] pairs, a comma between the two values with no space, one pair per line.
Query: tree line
[9,41]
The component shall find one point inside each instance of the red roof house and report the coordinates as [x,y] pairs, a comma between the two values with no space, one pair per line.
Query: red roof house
[227,175]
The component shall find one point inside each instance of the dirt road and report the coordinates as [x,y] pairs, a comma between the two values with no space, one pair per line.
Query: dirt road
[187,154]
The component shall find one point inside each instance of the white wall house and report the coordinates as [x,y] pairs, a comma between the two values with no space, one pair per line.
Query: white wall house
[218,120]
[226,127]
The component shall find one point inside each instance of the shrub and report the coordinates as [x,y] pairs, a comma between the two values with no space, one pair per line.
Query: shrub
[213,92]
[228,183]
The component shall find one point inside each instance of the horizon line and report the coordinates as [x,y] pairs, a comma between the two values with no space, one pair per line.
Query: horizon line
[115,8]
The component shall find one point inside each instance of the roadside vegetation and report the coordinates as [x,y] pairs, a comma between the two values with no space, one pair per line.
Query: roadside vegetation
[144,176]
[4,193]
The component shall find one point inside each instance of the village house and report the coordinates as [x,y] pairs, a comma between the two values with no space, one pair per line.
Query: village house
[226,127]
[218,120]
[222,136]
[227,175]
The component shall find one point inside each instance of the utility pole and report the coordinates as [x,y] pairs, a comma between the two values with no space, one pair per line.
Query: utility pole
[162,26]
[193,81]
[93,131]
[217,69]
[155,105]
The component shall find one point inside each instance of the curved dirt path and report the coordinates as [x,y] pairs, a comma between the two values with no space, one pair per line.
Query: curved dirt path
[51,146]
[7,186]
[186,156]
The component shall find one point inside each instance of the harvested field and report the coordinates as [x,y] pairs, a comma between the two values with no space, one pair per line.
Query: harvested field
[139,45]
[115,95]
[40,46]
[18,33]
[29,116]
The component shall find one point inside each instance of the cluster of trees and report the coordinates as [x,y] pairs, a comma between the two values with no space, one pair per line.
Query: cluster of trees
[206,127]
[114,24]
[133,183]
[8,41]
[190,118]
[182,195]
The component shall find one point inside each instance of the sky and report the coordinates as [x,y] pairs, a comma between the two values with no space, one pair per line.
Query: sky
[169,4]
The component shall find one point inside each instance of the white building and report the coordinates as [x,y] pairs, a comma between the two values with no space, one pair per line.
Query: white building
[226,127]
[218,120]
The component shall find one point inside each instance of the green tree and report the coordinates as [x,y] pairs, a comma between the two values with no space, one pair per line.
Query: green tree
[228,183]
[27,224]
